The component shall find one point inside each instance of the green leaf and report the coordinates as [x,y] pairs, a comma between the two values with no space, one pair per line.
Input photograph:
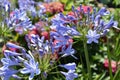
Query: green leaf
[64,1]
[117,75]
[69,4]
[101,76]
[116,2]
[105,1]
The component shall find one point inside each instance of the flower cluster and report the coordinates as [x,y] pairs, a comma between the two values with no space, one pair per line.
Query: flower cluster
[88,22]
[48,39]
[19,21]
[18,57]
[44,47]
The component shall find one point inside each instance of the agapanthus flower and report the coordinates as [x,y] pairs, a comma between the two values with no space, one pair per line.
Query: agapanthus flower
[19,21]
[6,73]
[47,1]
[70,75]
[95,24]
[20,58]
[14,46]
[68,52]
[11,53]
[111,23]
[92,36]
[61,44]
[38,44]
[69,66]
[11,59]
[31,67]
[101,25]
[57,21]
[9,62]
[28,5]
[42,9]
[56,43]
[59,24]
[103,11]
[6,5]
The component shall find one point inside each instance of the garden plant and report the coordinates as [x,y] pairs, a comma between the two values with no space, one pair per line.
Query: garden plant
[59,40]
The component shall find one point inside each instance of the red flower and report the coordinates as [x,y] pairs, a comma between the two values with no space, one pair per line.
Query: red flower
[54,7]
[45,34]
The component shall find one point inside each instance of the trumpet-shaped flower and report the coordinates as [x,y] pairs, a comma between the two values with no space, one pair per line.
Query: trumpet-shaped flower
[103,11]
[92,36]
[9,62]
[6,73]
[70,75]
[69,66]
[68,52]
[6,5]
[31,67]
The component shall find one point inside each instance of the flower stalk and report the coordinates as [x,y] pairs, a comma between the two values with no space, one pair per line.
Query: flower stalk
[87,59]
[109,60]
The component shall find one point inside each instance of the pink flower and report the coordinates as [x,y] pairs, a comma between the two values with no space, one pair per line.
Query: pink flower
[113,65]
[85,8]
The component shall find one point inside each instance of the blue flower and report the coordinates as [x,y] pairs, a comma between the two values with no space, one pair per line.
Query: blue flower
[31,67]
[67,18]
[103,11]
[8,53]
[42,10]
[97,20]
[58,20]
[44,49]
[19,21]
[10,61]
[73,32]
[23,26]
[111,23]
[68,52]
[92,36]
[11,45]
[47,1]
[6,5]
[70,75]
[6,73]
[36,40]
[41,45]
[69,66]
[26,5]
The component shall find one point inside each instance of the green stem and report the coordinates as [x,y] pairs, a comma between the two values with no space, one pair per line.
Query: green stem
[54,73]
[83,70]
[16,37]
[42,77]
[87,58]
[109,59]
